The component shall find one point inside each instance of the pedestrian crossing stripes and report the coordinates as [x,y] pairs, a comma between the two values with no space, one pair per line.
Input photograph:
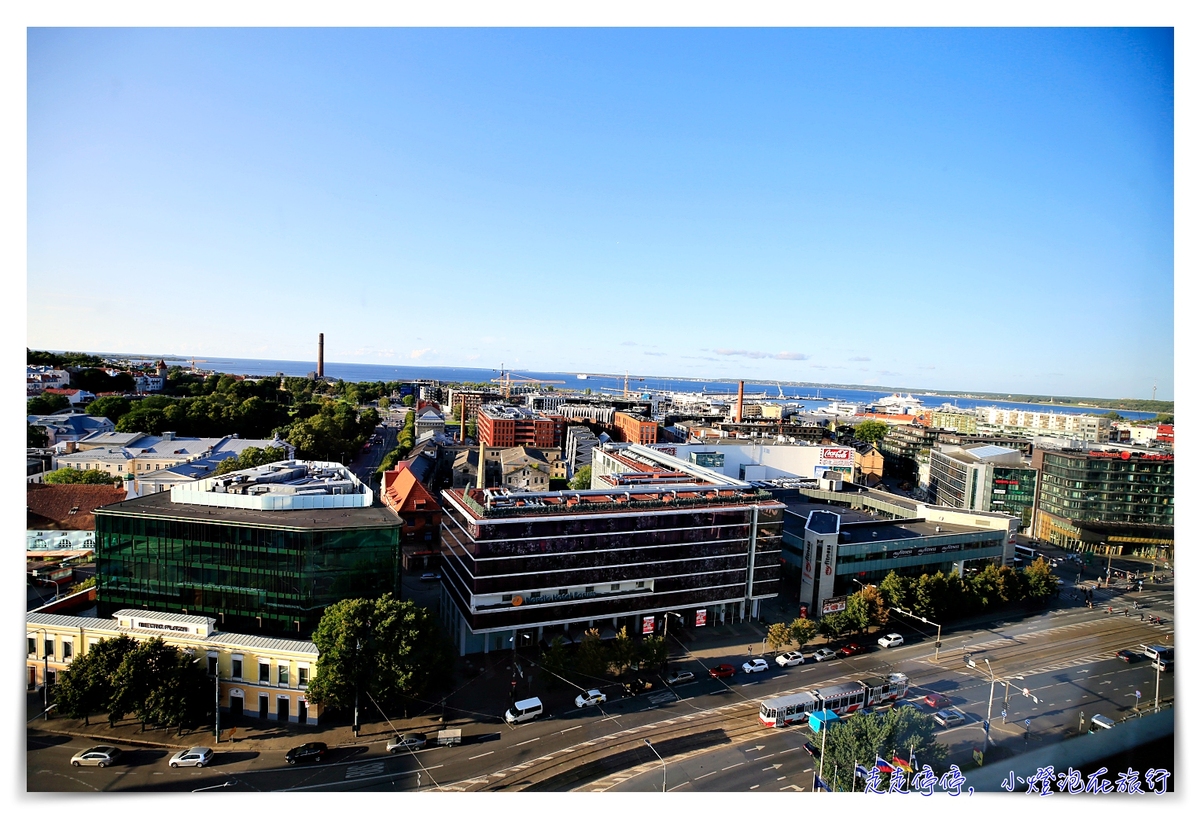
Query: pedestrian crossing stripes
[362,770]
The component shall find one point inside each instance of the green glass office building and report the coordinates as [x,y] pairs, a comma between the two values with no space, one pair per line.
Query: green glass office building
[254,570]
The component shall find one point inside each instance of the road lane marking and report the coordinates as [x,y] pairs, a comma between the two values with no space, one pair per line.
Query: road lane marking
[731,766]
[576,727]
[530,741]
[755,787]
[481,755]
[706,775]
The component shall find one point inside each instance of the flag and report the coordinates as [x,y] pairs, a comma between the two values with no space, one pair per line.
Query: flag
[882,765]
[902,764]
[860,771]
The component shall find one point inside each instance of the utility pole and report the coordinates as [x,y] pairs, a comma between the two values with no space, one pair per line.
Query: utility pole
[217,702]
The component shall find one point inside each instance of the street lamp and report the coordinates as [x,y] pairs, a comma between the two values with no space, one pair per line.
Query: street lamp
[937,643]
[660,758]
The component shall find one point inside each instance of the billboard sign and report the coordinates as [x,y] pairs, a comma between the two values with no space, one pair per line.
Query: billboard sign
[833,604]
[647,624]
[701,617]
[836,456]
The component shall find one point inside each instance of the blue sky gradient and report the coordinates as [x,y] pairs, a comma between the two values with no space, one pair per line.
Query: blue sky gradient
[975,209]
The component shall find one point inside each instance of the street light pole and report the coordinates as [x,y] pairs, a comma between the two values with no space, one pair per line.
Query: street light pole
[1157,676]
[660,758]
[46,675]
[987,733]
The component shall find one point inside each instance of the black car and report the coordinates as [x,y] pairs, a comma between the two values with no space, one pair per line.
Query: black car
[1128,656]
[811,749]
[313,751]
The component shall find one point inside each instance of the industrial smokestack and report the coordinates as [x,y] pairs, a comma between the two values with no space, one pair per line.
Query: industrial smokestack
[737,413]
[480,482]
[321,355]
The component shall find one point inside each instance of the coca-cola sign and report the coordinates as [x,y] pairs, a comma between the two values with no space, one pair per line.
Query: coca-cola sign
[836,457]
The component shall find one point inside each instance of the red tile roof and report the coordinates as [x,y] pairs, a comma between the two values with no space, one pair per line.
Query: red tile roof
[50,506]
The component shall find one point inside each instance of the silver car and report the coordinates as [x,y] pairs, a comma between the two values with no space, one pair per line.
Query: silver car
[193,757]
[102,755]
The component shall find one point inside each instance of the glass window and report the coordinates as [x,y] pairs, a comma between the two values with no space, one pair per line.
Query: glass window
[212,665]
[283,675]
[236,670]
[264,673]
[51,678]
[33,646]
[66,649]
[302,676]
[50,646]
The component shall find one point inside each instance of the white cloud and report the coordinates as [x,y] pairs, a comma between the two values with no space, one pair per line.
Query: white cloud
[779,356]
[420,353]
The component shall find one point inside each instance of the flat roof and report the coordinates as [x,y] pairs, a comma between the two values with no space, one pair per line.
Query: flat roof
[159,506]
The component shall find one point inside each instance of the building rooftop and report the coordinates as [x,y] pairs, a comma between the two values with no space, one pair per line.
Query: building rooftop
[285,485]
[160,506]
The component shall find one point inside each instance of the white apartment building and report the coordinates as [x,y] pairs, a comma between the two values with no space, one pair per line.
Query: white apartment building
[1086,427]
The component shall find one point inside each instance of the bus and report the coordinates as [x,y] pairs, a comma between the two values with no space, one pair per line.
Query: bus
[841,699]
[881,689]
[1024,552]
[786,710]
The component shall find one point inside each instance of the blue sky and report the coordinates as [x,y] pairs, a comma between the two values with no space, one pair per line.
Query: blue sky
[976,209]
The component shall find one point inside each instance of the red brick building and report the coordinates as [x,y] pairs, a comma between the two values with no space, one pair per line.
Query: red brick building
[635,428]
[509,426]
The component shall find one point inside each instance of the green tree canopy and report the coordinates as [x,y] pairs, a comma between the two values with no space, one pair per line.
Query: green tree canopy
[66,475]
[46,403]
[1040,583]
[582,479]
[112,407]
[871,431]
[884,733]
[408,400]
[802,631]
[386,647]
[97,380]
[147,421]
[779,635]
[36,437]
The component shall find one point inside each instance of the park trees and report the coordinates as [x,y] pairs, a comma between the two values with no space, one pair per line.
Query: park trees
[46,403]
[778,635]
[1040,583]
[802,631]
[897,591]
[384,647]
[870,431]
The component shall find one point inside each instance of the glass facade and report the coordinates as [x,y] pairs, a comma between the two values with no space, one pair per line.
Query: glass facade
[238,571]
[1133,489]
[688,557]
[1012,492]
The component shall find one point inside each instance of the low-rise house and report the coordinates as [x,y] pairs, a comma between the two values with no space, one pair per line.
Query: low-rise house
[77,397]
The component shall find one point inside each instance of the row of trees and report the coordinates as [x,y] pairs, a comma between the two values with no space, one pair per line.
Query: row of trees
[68,476]
[158,683]
[938,595]
[902,732]
[404,444]
[799,633]
[598,658]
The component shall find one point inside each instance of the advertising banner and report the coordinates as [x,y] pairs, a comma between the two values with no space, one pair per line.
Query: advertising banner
[833,605]
[831,456]
[647,624]
[701,617]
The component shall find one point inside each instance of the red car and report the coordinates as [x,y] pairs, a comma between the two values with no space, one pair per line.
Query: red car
[722,671]
[937,701]
[852,649]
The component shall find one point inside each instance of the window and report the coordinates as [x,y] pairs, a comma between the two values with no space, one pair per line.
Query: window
[67,650]
[212,664]
[50,646]
[641,585]
[283,675]
[51,678]
[32,646]
[616,586]
[236,668]
[302,676]
[264,673]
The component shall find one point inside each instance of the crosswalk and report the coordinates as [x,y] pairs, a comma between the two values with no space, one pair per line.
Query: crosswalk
[364,770]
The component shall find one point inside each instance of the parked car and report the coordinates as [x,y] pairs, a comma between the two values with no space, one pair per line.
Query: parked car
[430,576]
[811,749]
[851,649]
[891,640]
[313,751]
[722,671]
[949,718]
[194,757]
[406,741]
[937,701]
[1128,655]
[821,654]
[790,659]
[755,666]
[590,698]
[680,677]
[102,755]
[638,685]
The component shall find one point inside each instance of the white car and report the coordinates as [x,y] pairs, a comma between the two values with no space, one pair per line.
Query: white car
[790,659]
[822,654]
[755,666]
[195,757]
[949,718]
[891,640]
[590,698]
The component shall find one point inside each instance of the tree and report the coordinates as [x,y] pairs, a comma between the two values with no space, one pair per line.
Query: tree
[858,613]
[622,652]
[67,476]
[591,658]
[112,407]
[652,651]
[902,732]
[384,647]
[897,591]
[36,436]
[384,403]
[408,400]
[89,680]
[555,659]
[835,624]
[97,381]
[870,431]
[1040,583]
[802,631]
[877,609]
[147,421]
[582,479]
[252,457]
[46,403]
[778,635]
[90,582]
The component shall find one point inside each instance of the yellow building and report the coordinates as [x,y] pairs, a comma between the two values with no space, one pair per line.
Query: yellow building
[259,676]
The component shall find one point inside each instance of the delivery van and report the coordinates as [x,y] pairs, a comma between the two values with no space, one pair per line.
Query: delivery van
[524,710]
